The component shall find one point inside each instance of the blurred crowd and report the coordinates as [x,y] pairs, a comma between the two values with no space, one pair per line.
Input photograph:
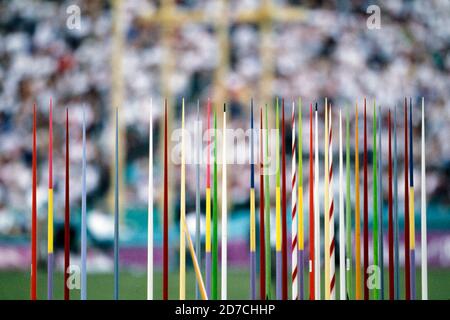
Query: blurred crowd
[330,53]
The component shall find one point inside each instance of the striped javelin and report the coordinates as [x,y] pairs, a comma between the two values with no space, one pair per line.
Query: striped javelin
[331,210]
[294,211]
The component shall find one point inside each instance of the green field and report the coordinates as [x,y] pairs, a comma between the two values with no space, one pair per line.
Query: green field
[15,285]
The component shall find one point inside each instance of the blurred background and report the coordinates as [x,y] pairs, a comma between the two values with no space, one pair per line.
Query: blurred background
[125,53]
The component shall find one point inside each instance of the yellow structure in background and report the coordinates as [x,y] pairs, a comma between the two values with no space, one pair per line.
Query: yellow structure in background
[169,17]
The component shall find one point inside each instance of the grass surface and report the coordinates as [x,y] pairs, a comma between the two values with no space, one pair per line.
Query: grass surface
[15,285]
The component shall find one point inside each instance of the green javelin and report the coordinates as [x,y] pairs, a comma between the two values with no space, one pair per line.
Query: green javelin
[375,197]
[348,218]
[267,212]
[215,203]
